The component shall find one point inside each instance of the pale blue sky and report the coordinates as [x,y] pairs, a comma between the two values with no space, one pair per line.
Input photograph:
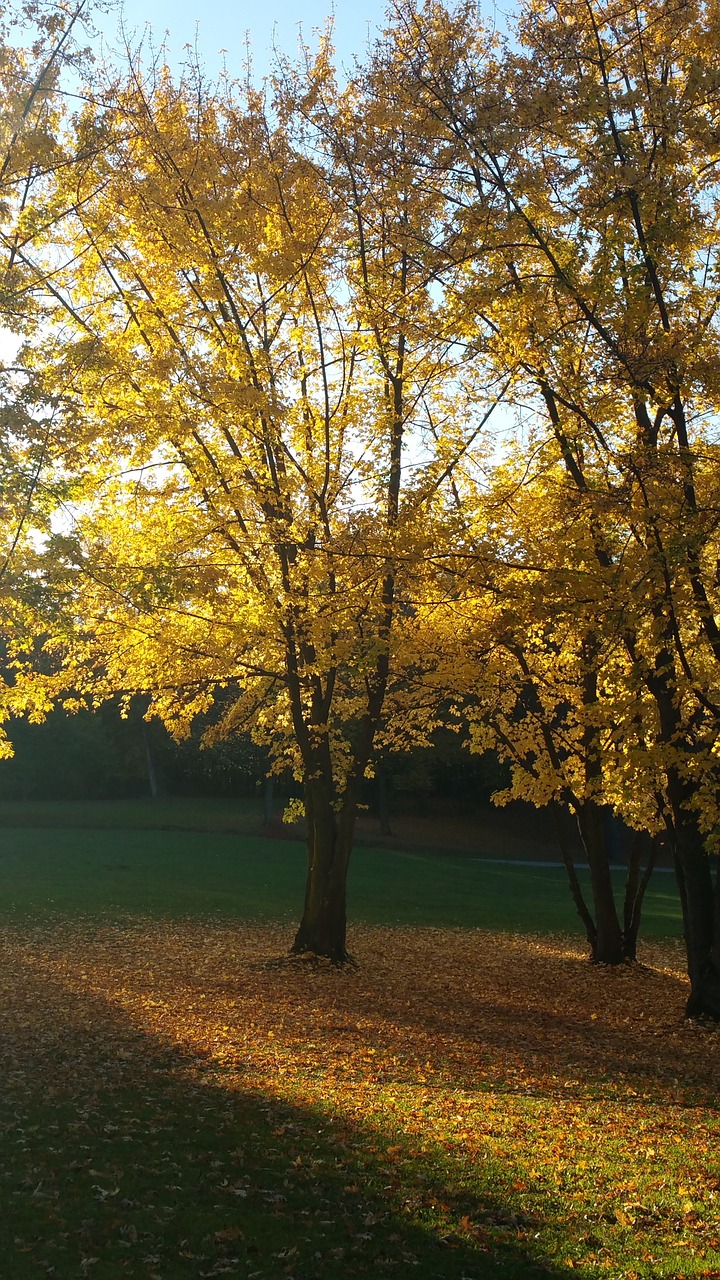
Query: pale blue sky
[221,25]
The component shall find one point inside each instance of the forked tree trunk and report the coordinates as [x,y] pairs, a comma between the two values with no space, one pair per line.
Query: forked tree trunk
[609,948]
[603,928]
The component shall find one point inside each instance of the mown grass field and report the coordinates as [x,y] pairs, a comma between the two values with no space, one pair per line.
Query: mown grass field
[177,858]
[470,1099]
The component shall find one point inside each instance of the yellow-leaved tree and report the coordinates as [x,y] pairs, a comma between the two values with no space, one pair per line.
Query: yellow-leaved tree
[266,401]
[585,189]
[530,644]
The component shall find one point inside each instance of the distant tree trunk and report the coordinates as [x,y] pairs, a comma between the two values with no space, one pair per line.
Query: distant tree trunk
[382,799]
[268,799]
[150,760]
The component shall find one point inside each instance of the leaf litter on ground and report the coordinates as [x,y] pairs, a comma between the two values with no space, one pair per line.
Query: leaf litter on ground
[182,1099]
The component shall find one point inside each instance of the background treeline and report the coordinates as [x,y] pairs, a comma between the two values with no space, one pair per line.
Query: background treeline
[104,755]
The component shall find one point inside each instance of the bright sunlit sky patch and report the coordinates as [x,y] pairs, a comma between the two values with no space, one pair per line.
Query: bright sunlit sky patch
[223,31]
[216,25]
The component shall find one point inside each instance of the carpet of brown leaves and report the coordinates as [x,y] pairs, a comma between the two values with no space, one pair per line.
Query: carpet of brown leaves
[527,1014]
[493,1045]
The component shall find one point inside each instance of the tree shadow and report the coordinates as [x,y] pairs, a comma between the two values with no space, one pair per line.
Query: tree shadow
[123,1154]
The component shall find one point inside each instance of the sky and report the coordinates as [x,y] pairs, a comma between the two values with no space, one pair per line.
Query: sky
[219,24]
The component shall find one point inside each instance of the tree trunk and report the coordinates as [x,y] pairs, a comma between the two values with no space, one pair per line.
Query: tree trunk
[268,799]
[323,926]
[383,808]
[575,888]
[698,895]
[698,900]
[150,761]
[635,888]
[609,940]
[690,856]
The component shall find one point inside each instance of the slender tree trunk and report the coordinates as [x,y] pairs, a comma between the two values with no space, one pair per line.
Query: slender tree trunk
[575,888]
[698,894]
[609,940]
[382,800]
[635,888]
[150,761]
[592,824]
[268,799]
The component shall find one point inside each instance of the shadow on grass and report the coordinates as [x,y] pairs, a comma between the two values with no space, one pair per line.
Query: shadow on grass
[122,1155]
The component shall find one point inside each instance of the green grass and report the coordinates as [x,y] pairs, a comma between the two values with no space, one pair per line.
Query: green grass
[176,813]
[176,1180]
[115,870]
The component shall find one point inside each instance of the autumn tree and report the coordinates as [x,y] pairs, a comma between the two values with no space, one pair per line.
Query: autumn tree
[542,678]
[584,181]
[264,400]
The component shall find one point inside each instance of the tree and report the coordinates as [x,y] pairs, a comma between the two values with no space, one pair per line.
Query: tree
[545,682]
[585,183]
[266,402]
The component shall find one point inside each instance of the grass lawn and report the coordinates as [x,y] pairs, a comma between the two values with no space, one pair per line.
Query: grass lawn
[113,865]
[174,813]
[468,1100]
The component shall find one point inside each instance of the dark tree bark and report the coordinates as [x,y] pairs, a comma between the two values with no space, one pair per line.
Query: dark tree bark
[697,888]
[609,941]
[635,888]
[603,931]
[701,916]
[609,948]
[323,927]
[574,884]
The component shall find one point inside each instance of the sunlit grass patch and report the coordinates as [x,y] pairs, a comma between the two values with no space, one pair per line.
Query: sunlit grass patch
[184,1101]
